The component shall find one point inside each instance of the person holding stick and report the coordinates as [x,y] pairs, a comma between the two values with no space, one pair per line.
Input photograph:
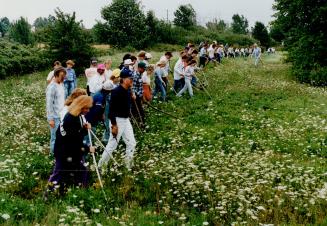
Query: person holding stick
[69,149]
[120,106]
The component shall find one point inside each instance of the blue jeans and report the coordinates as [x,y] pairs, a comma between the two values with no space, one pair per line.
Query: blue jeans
[53,135]
[69,87]
[106,132]
[159,88]
[194,81]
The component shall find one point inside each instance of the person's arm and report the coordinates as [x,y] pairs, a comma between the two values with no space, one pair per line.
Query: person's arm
[75,78]
[50,97]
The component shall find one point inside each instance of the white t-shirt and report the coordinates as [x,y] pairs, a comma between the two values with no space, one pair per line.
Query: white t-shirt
[211,52]
[178,69]
[166,68]
[63,112]
[108,74]
[90,72]
[95,83]
[145,78]
[50,76]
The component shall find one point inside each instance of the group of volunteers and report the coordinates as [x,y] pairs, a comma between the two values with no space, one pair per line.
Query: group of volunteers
[112,97]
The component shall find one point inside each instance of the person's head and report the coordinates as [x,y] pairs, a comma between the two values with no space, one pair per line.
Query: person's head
[141,55]
[168,55]
[107,64]
[60,74]
[255,45]
[141,67]
[133,59]
[162,63]
[150,70]
[192,63]
[185,58]
[126,78]
[148,56]
[192,46]
[81,105]
[194,53]
[76,93]
[94,62]
[101,69]
[127,56]
[56,64]
[70,63]
[115,76]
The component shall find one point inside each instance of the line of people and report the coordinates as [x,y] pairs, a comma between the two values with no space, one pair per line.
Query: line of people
[112,97]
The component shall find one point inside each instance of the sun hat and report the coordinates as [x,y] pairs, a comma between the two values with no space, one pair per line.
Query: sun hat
[128,62]
[116,73]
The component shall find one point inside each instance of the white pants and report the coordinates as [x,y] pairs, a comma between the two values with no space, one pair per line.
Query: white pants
[125,130]
[187,86]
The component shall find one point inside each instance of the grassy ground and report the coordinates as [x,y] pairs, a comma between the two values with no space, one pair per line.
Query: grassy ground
[254,152]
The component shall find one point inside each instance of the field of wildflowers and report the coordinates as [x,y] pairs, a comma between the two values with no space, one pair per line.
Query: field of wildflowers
[253,153]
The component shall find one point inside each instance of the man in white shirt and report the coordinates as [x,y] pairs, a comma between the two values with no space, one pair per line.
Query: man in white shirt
[168,55]
[179,73]
[90,73]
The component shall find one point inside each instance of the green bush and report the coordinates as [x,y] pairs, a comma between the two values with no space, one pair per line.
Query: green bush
[17,59]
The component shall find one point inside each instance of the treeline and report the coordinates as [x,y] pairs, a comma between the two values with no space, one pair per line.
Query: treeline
[301,25]
[62,37]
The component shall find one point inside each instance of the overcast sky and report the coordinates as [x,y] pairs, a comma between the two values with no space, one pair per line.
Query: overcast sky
[89,10]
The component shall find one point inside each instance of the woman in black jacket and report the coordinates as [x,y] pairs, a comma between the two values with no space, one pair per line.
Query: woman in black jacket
[69,149]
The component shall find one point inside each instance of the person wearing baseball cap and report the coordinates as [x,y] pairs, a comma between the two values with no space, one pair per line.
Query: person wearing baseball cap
[120,107]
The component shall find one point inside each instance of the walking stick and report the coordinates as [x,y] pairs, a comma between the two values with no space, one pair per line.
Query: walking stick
[162,111]
[138,111]
[96,168]
[172,86]
[110,155]
[134,120]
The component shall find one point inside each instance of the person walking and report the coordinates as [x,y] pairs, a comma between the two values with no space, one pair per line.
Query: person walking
[70,81]
[55,101]
[189,73]
[137,93]
[69,150]
[158,81]
[121,127]
[256,53]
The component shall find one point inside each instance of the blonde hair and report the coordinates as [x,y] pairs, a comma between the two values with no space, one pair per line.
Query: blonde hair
[79,103]
[76,93]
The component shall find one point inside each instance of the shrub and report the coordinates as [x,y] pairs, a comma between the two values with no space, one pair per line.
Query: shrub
[17,59]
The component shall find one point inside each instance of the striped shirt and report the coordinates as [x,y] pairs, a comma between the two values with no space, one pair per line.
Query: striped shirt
[55,98]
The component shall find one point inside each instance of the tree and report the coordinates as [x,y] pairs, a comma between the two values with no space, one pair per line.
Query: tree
[125,23]
[4,26]
[305,33]
[260,33]
[185,16]
[220,25]
[151,27]
[276,33]
[20,31]
[68,40]
[43,22]
[240,24]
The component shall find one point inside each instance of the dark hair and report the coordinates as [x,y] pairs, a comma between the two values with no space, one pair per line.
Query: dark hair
[191,62]
[191,46]
[133,58]
[127,56]
[195,52]
[58,70]
[168,54]
[185,57]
